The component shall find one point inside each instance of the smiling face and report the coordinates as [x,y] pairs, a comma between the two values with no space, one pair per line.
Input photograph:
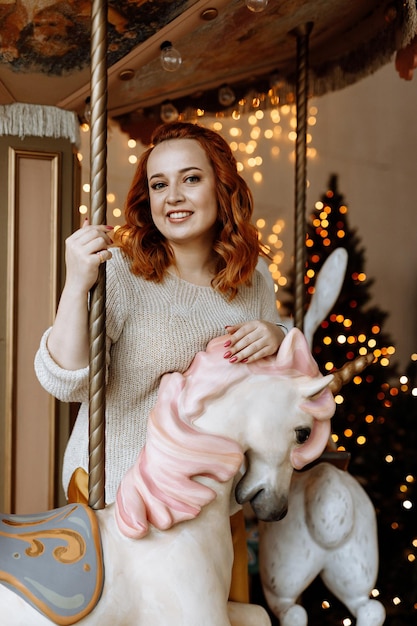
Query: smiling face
[182,192]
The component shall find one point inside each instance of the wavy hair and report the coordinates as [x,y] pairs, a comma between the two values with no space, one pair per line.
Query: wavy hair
[236,244]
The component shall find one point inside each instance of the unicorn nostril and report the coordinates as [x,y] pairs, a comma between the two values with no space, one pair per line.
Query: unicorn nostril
[258,496]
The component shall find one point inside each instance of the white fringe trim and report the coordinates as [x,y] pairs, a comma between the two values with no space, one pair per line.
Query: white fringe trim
[361,62]
[36,120]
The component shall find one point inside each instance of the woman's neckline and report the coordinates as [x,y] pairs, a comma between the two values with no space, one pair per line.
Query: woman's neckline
[187,282]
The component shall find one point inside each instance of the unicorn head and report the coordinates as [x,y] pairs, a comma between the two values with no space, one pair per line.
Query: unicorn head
[206,419]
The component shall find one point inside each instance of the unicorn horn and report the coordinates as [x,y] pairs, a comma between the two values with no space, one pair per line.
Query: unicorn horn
[348,371]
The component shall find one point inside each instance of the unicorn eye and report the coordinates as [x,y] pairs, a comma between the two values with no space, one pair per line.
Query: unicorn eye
[302,434]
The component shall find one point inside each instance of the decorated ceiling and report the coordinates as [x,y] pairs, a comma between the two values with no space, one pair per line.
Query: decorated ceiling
[53,37]
[45,49]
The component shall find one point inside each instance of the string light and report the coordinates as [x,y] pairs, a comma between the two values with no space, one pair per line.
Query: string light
[273,247]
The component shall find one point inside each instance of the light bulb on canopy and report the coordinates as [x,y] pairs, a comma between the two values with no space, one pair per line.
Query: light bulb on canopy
[87,110]
[168,112]
[226,96]
[256,5]
[170,57]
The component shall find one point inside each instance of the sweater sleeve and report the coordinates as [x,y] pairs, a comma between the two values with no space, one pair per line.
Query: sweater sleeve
[73,385]
[66,385]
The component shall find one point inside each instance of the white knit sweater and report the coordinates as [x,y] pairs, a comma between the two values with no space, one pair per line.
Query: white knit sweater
[152,328]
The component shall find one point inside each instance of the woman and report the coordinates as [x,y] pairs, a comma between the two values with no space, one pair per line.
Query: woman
[183,271]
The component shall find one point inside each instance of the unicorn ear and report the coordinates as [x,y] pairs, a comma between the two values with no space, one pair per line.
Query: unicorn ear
[329,282]
[312,387]
[294,355]
[320,403]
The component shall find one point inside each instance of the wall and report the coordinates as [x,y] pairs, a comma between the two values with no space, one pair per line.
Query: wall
[368,135]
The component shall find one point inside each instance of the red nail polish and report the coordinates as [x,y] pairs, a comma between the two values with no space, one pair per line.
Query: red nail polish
[244,360]
[227,344]
[227,354]
[233,359]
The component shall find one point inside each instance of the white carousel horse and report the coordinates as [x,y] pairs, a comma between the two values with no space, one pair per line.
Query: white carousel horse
[330,529]
[166,542]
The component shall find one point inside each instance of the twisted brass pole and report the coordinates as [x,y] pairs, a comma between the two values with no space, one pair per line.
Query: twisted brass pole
[98,190]
[302,34]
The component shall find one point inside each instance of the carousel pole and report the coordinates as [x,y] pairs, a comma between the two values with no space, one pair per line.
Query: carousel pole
[302,34]
[97,319]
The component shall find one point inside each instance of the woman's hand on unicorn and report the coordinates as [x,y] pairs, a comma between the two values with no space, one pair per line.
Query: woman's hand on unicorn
[253,340]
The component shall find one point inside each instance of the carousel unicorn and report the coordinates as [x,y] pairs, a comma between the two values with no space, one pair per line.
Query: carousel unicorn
[219,436]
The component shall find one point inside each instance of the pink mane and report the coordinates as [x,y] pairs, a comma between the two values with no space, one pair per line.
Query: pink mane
[160,488]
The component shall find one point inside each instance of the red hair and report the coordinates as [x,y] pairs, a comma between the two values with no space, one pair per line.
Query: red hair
[236,244]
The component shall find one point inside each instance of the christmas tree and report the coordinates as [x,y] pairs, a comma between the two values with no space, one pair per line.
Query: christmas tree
[375,420]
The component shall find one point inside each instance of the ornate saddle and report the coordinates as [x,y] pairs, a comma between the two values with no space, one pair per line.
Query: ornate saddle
[54,561]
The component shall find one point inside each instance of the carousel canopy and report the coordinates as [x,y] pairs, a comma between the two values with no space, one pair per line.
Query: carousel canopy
[45,50]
